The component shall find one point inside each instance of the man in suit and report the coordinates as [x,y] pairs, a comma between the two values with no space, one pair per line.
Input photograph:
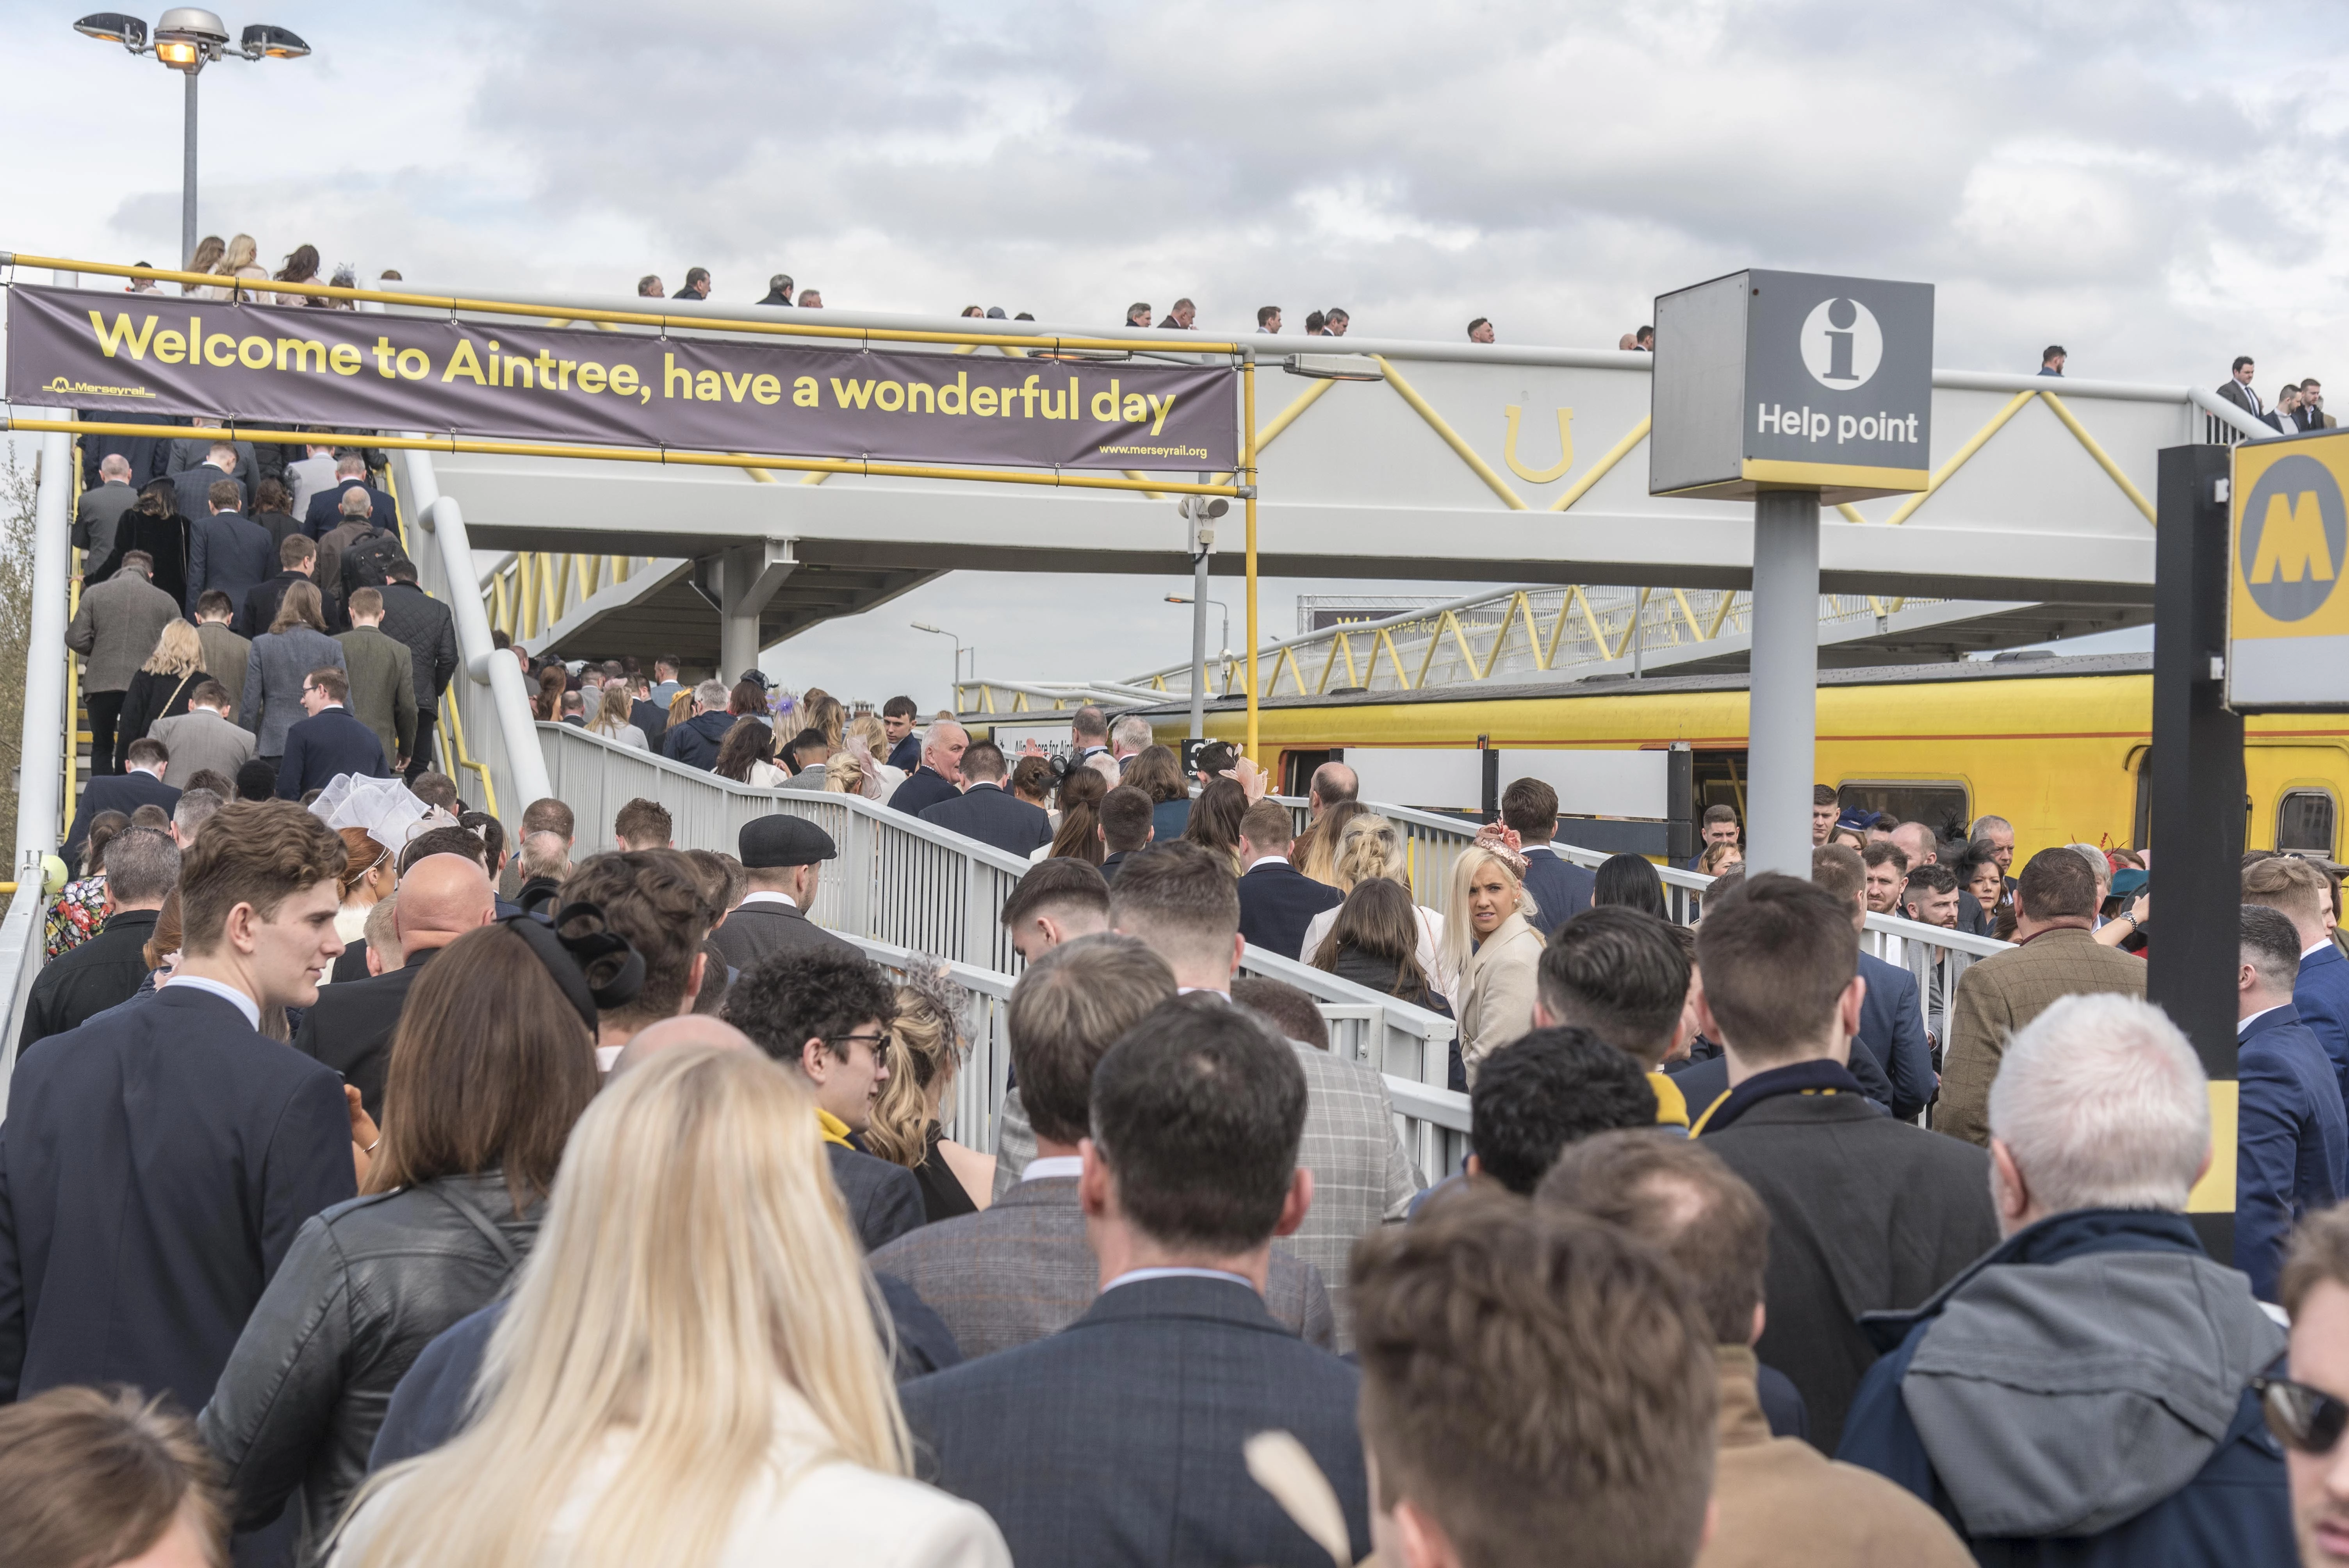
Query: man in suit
[2055,910]
[1496,1436]
[2291,1133]
[142,866]
[101,507]
[2237,388]
[1867,1214]
[1140,1410]
[1019,1270]
[116,627]
[226,550]
[1332,784]
[207,464]
[440,898]
[939,778]
[1720,828]
[1561,889]
[897,716]
[695,742]
[297,562]
[382,676]
[330,742]
[1127,826]
[204,738]
[1087,733]
[784,857]
[327,508]
[423,625]
[1278,902]
[148,457]
[140,783]
[2303,895]
[2312,416]
[157,1162]
[645,713]
[826,1015]
[308,475]
[1891,1017]
[224,650]
[989,813]
[1622,973]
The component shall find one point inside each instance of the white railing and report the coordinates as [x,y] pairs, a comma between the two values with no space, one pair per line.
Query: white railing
[20,963]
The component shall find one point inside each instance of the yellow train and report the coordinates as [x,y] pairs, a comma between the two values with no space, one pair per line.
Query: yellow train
[2058,746]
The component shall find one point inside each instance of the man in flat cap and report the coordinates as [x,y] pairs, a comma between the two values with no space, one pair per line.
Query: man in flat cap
[784,855]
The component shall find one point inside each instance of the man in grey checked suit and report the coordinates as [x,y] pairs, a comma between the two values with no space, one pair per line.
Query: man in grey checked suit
[1120,1439]
[1022,1269]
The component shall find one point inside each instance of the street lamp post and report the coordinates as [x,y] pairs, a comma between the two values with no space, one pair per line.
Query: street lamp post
[1199,603]
[188,39]
[954,690]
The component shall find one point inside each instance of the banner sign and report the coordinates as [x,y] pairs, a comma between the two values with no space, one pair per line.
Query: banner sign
[144,353]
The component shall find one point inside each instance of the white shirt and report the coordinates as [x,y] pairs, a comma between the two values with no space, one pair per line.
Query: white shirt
[2319,945]
[1135,1276]
[230,994]
[1052,1167]
[1267,861]
[2255,1017]
[782,898]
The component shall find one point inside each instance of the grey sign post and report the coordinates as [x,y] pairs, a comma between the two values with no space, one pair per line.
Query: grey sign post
[1790,389]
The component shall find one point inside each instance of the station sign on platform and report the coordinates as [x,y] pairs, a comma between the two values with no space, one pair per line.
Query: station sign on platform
[1793,381]
[2287,616]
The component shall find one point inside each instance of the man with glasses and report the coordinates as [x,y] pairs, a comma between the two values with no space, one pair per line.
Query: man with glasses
[2308,1410]
[2087,1392]
[333,740]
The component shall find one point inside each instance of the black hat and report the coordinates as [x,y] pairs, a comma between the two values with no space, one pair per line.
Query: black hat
[593,965]
[758,677]
[767,842]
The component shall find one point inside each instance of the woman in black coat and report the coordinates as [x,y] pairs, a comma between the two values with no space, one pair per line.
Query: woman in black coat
[153,524]
[161,687]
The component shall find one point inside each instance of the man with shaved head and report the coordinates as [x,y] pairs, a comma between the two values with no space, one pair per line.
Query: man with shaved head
[441,897]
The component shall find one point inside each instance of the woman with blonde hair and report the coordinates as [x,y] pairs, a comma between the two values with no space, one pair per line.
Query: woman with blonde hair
[280,664]
[1370,848]
[686,1375]
[927,1046]
[612,720]
[1492,945]
[241,260]
[161,687]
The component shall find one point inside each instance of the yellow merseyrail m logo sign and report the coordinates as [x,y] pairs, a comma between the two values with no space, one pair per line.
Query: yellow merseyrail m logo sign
[2288,614]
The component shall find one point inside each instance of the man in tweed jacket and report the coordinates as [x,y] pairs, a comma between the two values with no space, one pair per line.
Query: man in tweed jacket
[116,627]
[2054,957]
[1021,1268]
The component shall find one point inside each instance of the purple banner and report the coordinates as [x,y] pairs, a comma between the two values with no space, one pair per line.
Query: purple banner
[121,353]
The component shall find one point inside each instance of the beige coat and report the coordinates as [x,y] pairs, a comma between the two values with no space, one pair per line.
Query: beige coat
[2005,991]
[1781,1500]
[1496,991]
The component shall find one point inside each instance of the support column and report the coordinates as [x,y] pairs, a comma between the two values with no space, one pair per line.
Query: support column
[742,582]
[2197,798]
[45,745]
[1198,640]
[1783,723]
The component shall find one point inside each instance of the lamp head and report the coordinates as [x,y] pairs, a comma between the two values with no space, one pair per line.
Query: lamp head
[188,39]
[114,27]
[263,42]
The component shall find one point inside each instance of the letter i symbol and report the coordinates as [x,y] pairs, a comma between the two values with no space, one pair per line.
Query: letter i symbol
[1840,316]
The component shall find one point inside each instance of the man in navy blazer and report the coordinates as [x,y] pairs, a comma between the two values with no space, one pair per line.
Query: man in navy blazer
[2303,895]
[333,740]
[1561,889]
[939,778]
[989,813]
[325,512]
[158,1160]
[1119,1439]
[227,551]
[1278,902]
[2291,1135]
[140,783]
[1891,1018]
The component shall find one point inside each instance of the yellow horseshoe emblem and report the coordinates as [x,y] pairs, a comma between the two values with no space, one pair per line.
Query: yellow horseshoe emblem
[1564,449]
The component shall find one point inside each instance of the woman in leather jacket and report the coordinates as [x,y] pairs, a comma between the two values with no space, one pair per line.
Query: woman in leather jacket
[492,1064]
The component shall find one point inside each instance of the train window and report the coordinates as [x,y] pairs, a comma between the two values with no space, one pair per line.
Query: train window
[2305,820]
[1940,806]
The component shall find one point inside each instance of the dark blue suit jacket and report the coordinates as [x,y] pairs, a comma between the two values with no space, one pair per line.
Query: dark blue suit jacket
[123,792]
[1277,902]
[2322,998]
[907,755]
[922,789]
[154,1167]
[332,741]
[1561,889]
[1892,1027]
[1117,1440]
[2291,1141]
[325,512]
[229,552]
[992,815]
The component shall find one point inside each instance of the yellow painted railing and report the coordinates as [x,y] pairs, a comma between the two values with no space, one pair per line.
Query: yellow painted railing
[533,593]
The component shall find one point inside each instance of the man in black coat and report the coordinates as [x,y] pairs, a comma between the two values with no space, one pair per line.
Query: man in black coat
[325,509]
[297,562]
[695,742]
[1120,1439]
[195,469]
[939,778]
[1278,902]
[226,550]
[140,783]
[1867,1213]
[989,813]
[783,857]
[424,626]
[331,741]
[157,1162]
[142,866]
[440,898]
[1561,889]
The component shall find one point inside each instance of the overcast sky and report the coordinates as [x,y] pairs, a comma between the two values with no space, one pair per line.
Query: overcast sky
[2157,186]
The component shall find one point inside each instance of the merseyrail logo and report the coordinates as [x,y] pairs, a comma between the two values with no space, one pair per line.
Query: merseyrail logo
[66,385]
[2294,539]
